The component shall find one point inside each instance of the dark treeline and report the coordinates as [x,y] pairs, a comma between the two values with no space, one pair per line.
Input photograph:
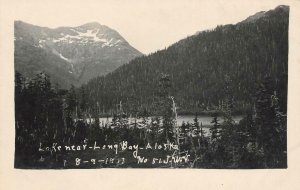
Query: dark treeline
[198,65]
[45,114]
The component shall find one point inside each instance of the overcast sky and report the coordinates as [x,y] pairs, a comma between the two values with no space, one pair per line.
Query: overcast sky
[147,25]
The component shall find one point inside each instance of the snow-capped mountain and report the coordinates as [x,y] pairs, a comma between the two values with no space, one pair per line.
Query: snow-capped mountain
[80,53]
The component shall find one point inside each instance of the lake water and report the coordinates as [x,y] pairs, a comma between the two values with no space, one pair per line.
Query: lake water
[204,119]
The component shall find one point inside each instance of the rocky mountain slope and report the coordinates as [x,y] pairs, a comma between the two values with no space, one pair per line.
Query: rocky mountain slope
[70,55]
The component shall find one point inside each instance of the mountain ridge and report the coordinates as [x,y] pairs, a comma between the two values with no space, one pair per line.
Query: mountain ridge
[199,64]
[86,51]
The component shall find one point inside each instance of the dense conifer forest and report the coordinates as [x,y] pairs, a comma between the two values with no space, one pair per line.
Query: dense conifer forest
[198,65]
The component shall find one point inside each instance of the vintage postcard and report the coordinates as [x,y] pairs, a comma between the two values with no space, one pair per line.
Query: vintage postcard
[150,85]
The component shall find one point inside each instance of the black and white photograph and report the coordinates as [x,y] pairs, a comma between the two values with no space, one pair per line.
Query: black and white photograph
[149,94]
[94,94]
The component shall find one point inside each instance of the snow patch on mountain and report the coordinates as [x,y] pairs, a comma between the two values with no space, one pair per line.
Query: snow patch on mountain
[89,36]
[64,58]
[84,52]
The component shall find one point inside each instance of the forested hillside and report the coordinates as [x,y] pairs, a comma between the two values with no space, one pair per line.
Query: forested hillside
[30,60]
[197,66]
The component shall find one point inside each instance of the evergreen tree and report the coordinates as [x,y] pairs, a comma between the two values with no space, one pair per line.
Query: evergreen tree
[84,105]
[165,106]
[272,130]
[197,126]
[215,129]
